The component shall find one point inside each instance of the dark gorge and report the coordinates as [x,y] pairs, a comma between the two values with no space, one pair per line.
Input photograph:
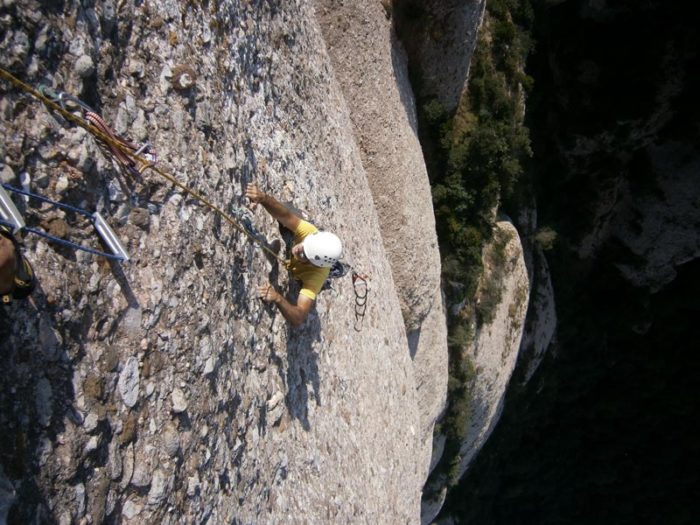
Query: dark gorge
[602,432]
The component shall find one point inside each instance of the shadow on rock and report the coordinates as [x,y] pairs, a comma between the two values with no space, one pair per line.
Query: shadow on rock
[413,341]
[302,369]
[36,405]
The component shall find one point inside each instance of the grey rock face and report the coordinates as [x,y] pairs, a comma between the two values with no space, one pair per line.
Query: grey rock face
[496,344]
[179,401]
[541,323]
[359,37]
[340,445]
[384,120]
[493,354]
[84,66]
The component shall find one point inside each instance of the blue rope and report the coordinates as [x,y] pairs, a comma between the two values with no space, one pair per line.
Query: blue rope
[44,199]
[57,240]
[70,244]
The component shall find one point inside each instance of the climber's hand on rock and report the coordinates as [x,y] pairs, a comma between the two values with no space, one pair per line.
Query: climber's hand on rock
[268,294]
[254,194]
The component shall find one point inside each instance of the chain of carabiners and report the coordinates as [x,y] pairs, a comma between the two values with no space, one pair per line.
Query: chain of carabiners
[359,286]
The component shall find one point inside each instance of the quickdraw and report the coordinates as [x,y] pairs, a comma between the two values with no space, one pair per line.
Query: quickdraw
[128,163]
[94,119]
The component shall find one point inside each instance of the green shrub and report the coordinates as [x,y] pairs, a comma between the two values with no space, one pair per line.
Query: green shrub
[461,337]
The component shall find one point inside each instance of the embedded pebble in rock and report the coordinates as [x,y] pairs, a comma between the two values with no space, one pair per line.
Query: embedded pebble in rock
[49,338]
[142,475]
[114,461]
[127,465]
[58,228]
[80,499]
[179,401]
[209,366]
[131,509]
[158,486]
[61,184]
[129,382]
[193,485]
[7,175]
[139,217]
[90,422]
[275,408]
[171,440]
[84,66]
[92,444]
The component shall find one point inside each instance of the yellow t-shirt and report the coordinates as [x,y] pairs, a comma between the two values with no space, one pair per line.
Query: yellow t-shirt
[311,277]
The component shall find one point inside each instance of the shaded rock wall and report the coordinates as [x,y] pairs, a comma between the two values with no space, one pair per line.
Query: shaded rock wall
[614,119]
[627,144]
[660,227]
[440,37]
[162,390]
[541,323]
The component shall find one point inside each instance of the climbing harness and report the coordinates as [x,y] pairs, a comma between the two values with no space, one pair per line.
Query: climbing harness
[10,217]
[359,286]
[338,270]
[136,157]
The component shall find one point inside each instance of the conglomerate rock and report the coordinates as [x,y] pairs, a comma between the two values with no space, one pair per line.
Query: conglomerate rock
[161,390]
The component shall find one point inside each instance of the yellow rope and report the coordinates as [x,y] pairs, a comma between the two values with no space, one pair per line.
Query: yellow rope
[108,140]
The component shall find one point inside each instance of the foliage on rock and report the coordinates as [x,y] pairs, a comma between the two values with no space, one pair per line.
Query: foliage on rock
[475,156]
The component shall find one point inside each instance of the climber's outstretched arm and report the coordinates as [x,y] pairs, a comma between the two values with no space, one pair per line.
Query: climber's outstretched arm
[295,314]
[275,208]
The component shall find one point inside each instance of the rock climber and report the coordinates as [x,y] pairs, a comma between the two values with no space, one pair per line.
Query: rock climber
[314,252]
[16,274]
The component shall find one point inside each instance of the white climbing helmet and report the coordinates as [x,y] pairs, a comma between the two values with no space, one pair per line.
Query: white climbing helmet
[323,249]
